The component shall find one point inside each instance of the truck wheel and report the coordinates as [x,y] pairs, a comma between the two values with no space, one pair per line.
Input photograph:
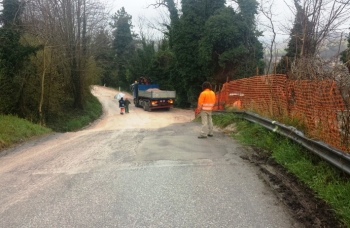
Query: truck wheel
[146,106]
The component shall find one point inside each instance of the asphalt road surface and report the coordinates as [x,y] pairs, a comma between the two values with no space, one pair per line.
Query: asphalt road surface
[142,169]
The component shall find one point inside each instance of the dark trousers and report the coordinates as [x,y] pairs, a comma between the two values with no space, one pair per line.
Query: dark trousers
[126,108]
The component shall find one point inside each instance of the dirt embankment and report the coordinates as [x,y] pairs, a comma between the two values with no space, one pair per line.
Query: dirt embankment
[300,199]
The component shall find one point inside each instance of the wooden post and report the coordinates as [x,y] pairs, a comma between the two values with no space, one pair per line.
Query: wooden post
[42,122]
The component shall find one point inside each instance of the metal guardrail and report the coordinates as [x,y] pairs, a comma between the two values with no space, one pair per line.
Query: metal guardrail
[332,155]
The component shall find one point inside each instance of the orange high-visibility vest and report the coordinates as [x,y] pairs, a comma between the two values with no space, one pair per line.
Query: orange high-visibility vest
[206,100]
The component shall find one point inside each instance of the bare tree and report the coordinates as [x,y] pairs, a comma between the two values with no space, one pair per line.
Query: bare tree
[266,10]
[159,24]
[65,28]
[322,19]
[171,5]
[154,28]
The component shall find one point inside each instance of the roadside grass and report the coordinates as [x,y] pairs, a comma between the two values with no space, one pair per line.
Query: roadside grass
[14,130]
[329,183]
[73,120]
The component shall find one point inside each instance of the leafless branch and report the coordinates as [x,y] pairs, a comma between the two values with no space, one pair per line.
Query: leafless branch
[266,10]
[158,4]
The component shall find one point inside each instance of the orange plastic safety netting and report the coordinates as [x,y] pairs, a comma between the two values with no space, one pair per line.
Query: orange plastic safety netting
[315,107]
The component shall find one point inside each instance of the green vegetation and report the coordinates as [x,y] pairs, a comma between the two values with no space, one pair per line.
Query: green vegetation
[345,55]
[123,46]
[75,119]
[14,59]
[46,74]
[14,130]
[329,183]
[206,42]
[43,71]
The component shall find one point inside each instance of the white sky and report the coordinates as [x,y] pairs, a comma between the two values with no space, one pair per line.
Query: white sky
[138,8]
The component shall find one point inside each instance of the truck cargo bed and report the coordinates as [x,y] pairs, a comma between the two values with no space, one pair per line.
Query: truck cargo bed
[157,94]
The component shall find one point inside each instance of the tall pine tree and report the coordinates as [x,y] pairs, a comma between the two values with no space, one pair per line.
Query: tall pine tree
[188,32]
[230,48]
[300,43]
[123,44]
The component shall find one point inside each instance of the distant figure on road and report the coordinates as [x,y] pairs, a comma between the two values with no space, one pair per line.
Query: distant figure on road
[205,106]
[121,106]
[127,102]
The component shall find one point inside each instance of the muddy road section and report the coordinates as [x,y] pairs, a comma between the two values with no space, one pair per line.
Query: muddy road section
[142,169]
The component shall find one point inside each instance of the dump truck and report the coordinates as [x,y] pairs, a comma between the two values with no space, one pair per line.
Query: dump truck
[150,97]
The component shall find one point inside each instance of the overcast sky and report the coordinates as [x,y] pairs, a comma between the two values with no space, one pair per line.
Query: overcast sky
[138,8]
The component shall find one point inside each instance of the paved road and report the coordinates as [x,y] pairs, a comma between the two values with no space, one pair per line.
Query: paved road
[144,169]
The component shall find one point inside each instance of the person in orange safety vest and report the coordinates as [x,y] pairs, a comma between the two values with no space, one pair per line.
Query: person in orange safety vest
[206,103]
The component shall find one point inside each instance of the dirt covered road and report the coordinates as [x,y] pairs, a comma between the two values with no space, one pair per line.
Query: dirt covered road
[137,118]
[146,169]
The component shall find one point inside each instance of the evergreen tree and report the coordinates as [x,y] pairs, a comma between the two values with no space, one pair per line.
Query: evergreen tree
[345,55]
[156,66]
[139,65]
[207,41]
[253,60]
[248,10]
[230,48]
[123,44]
[104,58]
[300,43]
[162,64]
[188,32]
[174,20]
